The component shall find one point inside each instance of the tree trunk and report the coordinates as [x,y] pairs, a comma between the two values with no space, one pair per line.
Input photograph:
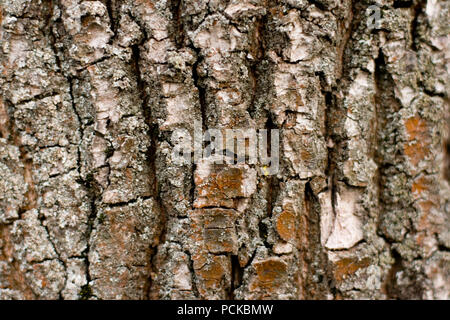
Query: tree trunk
[93,205]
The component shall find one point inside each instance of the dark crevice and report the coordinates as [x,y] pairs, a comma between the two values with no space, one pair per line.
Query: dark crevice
[203,111]
[256,65]
[263,233]
[51,35]
[38,97]
[216,207]
[127,203]
[447,142]
[390,282]
[93,63]
[151,156]
[85,292]
[90,226]
[192,272]
[430,92]
[416,22]
[346,38]
[273,182]
[91,188]
[387,132]
[331,137]
[314,256]
[386,103]
[177,32]
[272,194]
[236,276]
[201,90]
[80,123]
[380,123]
[318,4]
[443,248]
[250,261]
[58,255]
[110,6]
[403,4]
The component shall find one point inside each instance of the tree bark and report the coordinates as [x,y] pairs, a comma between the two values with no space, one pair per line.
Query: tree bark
[92,205]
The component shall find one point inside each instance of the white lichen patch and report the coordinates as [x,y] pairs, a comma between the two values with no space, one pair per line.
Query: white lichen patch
[347,227]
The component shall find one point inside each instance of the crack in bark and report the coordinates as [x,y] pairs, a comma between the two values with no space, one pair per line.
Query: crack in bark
[153,133]
[418,8]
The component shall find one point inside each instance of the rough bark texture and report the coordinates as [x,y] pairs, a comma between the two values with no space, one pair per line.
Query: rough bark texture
[93,207]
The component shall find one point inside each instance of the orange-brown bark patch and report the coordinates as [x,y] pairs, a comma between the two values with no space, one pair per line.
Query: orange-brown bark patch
[348,266]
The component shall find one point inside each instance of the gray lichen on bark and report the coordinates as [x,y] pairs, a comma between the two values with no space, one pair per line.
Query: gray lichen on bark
[93,206]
